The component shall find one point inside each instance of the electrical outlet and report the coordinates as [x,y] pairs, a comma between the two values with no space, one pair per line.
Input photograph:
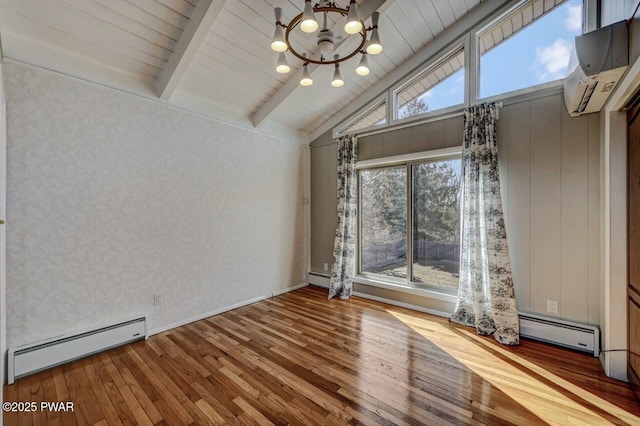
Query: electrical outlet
[325,267]
[552,306]
[157,299]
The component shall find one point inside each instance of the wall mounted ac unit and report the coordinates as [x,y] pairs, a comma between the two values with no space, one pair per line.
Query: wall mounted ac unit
[598,62]
[571,335]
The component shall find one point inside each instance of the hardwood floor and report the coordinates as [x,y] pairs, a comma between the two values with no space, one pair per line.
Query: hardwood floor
[301,359]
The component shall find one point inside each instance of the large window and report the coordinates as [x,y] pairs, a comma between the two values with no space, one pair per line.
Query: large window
[525,49]
[528,47]
[436,224]
[383,230]
[438,87]
[411,237]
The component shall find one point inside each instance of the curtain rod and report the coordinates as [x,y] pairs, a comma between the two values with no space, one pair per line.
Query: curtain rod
[418,122]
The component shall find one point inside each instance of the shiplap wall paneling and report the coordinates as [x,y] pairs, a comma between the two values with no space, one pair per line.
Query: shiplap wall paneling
[396,143]
[546,202]
[517,120]
[436,136]
[593,220]
[502,136]
[575,236]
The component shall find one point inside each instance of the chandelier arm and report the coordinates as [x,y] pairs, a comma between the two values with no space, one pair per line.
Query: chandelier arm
[296,20]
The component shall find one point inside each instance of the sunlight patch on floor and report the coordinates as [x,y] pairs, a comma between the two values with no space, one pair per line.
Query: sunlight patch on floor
[526,389]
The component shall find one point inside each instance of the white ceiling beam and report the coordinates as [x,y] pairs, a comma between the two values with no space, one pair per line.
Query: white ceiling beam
[200,22]
[293,82]
[480,14]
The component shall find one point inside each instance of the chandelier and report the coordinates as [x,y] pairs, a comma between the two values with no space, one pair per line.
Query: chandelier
[326,40]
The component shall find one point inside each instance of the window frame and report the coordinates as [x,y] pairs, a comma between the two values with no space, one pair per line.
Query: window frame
[408,161]
[341,129]
[430,67]
[469,42]
[480,30]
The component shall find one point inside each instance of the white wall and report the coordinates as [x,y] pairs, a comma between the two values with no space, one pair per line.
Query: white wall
[112,198]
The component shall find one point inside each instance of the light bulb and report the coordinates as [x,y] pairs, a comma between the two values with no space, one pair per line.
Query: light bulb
[363,66]
[374,47]
[337,78]
[309,23]
[354,24]
[278,44]
[306,77]
[282,67]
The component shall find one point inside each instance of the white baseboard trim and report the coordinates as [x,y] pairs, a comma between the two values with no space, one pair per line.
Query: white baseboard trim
[205,315]
[319,280]
[288,289]
[403,304]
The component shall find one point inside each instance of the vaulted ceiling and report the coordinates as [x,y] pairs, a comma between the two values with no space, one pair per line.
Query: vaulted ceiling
[213,56]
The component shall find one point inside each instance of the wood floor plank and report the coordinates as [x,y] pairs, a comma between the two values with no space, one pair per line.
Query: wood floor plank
[301,359]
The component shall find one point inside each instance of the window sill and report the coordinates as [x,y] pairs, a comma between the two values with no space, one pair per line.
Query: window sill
[431,294]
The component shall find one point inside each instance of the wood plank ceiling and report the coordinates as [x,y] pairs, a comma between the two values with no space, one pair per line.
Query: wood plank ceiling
[229,63]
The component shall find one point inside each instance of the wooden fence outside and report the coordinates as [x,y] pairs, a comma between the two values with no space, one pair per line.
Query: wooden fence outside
[376,256]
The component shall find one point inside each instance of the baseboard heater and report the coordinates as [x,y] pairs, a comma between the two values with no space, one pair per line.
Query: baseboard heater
[585,338]
[318,280]
[29,359]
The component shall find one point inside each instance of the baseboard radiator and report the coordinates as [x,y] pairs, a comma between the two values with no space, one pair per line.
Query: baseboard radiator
[318,280]
[29,359]
[585,338]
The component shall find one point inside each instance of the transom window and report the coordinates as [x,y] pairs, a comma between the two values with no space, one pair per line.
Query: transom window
[374,117]
[409,223]
[530,46]
[437,88]
[527,47]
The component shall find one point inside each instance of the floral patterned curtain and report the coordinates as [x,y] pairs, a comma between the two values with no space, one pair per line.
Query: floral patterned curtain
[344,247]
[486,297]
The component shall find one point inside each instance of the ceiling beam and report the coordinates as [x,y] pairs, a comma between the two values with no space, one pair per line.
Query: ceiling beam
[200,22]
[258,118]
[479,15]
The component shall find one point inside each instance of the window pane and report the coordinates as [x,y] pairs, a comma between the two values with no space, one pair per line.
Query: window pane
[436,89]
[383,227]
[530,46]
[377,117]
[436,226]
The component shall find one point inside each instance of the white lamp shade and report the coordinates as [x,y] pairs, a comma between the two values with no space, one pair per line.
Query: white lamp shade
[309,23]
[354,24]
[374,47]
[337,78]
[306,77]
[278,44]
[363,66]
[282,67]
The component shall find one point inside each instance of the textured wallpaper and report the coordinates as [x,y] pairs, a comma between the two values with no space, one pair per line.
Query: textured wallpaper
[112,198]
